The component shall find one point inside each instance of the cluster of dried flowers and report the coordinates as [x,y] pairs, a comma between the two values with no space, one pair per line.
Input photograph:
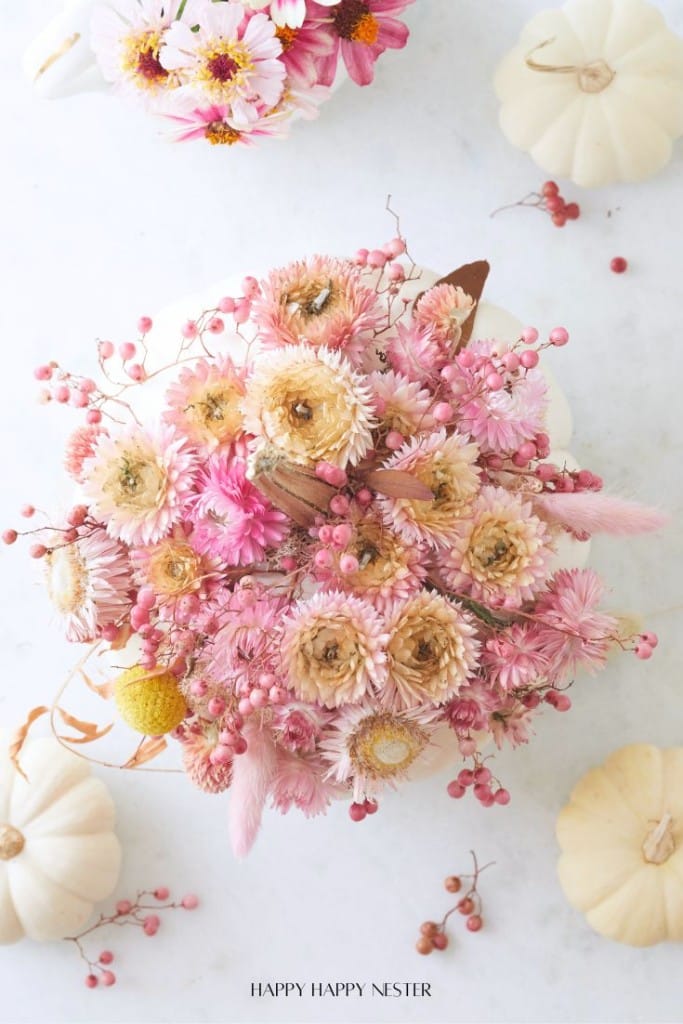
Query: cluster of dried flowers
[235,72]
[337,537]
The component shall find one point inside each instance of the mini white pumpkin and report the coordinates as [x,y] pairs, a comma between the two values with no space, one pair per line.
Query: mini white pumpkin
[594,91]
[621,836]
[58,851]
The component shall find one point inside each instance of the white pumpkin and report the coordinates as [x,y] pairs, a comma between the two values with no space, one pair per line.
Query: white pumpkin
[621,836]
[594,91]
[58,851]
[60,61]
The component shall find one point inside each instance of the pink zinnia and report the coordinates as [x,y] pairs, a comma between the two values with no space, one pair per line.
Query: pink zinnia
[361,30]
[303,48]
[191,118]
[574,632]
[233,521]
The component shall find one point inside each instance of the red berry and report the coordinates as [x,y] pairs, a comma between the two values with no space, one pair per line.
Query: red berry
[474,923]
[162,893]
[554,204]
[429,928]
[108,978]
[455,790]
[91,981]
[124,907]
[618,265]
[482,791]
[106,957]
[573,211]
[371,806]
[9,536]
[190,901]
[440,941]
[550,188]
[357,812]
[466,777]
[424,946]
[482,774]
[502,797]
[466,905]
[559,219]
[453,884]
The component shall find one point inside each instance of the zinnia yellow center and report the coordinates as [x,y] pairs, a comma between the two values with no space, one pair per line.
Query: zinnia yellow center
[286,35]
[141,60]
[221,134]
[224,68]
[383,746]
[366,30]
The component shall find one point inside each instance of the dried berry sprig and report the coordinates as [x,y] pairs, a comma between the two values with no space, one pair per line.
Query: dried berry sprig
[432,933]
[127,912]
[549,200]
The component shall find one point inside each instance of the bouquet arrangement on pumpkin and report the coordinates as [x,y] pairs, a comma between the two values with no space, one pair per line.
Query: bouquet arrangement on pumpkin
[330,555]
[235,72]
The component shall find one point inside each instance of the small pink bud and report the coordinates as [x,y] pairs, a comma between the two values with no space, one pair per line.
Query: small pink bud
[245,707]
[9,536]
[91,981]
[339,504]
[61,394]
[43,372]
[105,349]
[145,325]
[357,812]
[511,362]
[37,551]
[502,797]
[124,907]
[240,746]
[190,901]
[396,272]
[342,534]
[643,651]
[108,978]
[93,417]
[216,706]
[106,957]
[250,287]
[189,330]
[396,247]
[394,440]
[323,559]
[528,450]
[288,563]
[650,638]
[529,359]
[364,496]
[377,258]
[467,746]
[559,336]
[442,412]
[529,336]
[258,698]
[466,359]
[348,564]
[494,382]
[227,305]
[455,789]
[28,511]
[216,325]
[242,311]
[127,350]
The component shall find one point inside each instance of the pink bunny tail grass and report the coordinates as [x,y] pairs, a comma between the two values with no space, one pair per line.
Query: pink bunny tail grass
[252,775]
[599,513]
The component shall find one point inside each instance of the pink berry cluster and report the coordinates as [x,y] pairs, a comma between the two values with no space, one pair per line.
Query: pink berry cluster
[358,811]
[486,788]
[128,912]
[550,201]
[432,933]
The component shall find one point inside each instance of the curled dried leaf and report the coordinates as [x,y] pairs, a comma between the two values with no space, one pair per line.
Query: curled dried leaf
[147,750]
[103,690]
[19,737]
[397,484]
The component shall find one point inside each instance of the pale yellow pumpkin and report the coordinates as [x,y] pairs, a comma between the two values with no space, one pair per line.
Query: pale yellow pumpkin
[58,851]
[621,836]
[594,91]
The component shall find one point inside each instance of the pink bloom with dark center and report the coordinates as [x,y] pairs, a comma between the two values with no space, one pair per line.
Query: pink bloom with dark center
[361,31]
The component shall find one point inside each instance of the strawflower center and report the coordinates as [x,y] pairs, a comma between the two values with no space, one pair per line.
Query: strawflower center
[383,746]
[67,579]
[354,21]
[312,298]
[174,568]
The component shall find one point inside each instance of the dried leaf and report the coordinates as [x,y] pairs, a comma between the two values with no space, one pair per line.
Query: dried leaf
[87,728]
[148,749]
[398,484]
[88,739]
[103,690]
[472,279]
[19,738]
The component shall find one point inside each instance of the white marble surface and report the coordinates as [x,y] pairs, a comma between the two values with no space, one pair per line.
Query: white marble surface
[102,223]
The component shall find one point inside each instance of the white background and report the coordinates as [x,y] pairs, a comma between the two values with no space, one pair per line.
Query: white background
[102,223]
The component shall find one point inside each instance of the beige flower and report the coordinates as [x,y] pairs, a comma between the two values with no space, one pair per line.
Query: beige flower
[311,406]
[444,309]
[446,465]
[333,649]
[432,650]
[171,567]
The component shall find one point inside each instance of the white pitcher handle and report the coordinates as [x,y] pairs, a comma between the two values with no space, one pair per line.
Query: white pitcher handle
[60,61]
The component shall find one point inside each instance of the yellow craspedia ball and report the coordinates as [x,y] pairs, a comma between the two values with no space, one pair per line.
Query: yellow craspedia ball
[150,704]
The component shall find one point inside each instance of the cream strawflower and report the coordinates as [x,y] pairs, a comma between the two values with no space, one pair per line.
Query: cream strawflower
[372,748]
[503,553]
[432,650]
[171,568]
[88,583]
[204,403]
[332,649]
[311,406]
[389,568]
[446,465]
[137,484]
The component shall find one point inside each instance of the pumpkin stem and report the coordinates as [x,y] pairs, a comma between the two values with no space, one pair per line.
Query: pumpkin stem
[593,77]
[659,843]
[11,842]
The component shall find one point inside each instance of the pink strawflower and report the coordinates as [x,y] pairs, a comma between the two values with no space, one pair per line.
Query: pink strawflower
[401,404]
[464,714]
[199,740]
[322,301]
[79,448]
[415,352]
[233,521]
[138,483]
[443,310]
[225,58]
[362,30]
[298,726]
[574,633]
[446,465]
[243,648]
[299,781]
[499,421]
[502,552]
[89,583]
[511,723]
[204,403]
[333,649]
[514,658]
[126,37]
